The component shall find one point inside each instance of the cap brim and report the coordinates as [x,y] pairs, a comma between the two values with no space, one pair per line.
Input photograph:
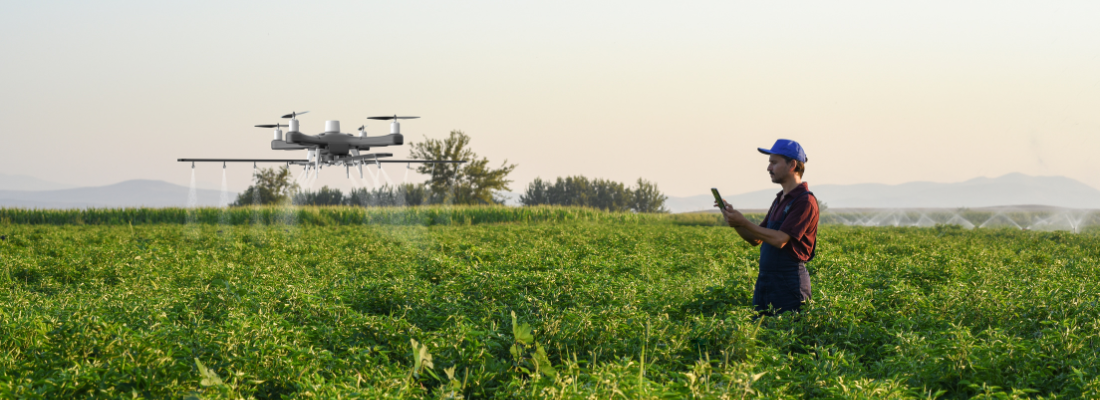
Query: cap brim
[764,151]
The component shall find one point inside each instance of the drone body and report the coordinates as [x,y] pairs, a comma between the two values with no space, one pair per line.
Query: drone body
[330,147]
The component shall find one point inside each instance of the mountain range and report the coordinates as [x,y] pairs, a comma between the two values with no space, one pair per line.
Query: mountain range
[132,193]
[1008,190]
[24,182]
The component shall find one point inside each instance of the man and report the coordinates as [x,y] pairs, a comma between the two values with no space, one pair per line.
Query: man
[788,234]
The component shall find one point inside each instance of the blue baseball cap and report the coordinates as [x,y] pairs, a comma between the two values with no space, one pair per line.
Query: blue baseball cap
[786,147]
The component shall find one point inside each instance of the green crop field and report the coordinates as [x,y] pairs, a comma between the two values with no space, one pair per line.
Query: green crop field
[556,303]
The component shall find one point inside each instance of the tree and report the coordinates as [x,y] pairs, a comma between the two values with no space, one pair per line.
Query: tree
[572,191]
[326,196]
[405,194]
[611,196]
[472,182]
[579,191]
[596,193]
[537,193]
[270,186]
[647,198]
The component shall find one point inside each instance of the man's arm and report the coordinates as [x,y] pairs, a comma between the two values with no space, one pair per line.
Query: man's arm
[770,236]
[748,236]
[753,233]
[744,233]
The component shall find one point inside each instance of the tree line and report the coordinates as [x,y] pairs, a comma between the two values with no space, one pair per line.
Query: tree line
[596,193]
[386,196]
[471,182]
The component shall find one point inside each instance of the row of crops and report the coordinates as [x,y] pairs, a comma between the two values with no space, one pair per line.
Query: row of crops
[310,215]
[595,307]
[1066,220]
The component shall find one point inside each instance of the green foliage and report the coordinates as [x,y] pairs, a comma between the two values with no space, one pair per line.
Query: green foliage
[617,305]
[209,377]
[647,198]
[579,191]
[422,359]
[598,193]
[320,216]
[270,186]
[386,196]
[389,196]
[473,182]
[325,196]
[529,356]
[708,218]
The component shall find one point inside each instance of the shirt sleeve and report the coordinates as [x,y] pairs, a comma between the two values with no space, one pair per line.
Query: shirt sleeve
[799,218]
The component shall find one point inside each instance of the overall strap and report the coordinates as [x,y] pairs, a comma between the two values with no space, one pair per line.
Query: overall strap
[773,208]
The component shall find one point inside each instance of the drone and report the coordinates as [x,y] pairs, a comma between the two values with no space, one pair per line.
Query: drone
[331,147]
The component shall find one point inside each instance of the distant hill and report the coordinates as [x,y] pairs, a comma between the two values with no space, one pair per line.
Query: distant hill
[133,193]
[25,182]
[1007,190]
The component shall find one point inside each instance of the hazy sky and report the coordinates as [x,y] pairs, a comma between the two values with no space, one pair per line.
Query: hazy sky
[680,93]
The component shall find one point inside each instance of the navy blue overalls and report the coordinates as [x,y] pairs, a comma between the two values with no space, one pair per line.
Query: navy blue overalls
[783,281]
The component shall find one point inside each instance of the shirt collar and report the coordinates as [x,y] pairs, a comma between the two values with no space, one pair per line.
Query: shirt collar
[802,187]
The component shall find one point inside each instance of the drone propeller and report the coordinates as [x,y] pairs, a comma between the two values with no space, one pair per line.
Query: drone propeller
[395,127]
[272,126]
[393,117]
[294,114]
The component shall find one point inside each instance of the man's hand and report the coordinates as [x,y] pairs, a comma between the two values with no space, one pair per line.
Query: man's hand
[752,233]
[733,217]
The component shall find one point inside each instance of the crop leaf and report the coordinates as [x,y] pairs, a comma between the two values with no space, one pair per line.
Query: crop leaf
[522,333]
[421,358]
[543,362]
[209,377]
[515,352]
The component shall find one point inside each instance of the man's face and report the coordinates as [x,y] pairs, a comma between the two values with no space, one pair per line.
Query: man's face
[778,168]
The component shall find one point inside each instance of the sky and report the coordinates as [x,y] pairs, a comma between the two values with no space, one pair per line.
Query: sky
[679,93]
